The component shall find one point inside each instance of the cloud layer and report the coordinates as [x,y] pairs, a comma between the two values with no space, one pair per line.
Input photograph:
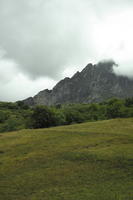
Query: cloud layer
[46,39]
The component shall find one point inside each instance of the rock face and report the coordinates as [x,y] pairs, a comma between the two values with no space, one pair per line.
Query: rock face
[94,83]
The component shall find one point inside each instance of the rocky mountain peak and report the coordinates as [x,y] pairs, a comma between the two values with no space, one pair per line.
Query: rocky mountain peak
[94,83]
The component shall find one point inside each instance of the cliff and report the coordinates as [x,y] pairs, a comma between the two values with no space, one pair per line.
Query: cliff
[94,83]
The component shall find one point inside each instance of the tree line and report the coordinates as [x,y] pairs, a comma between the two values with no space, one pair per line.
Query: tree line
[16,116]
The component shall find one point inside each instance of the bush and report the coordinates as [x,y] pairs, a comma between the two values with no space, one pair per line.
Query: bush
[15,116]
[59,116]
[3,116]
[42,117]
[129,102]
[115,108]
[12,124]
[73,116]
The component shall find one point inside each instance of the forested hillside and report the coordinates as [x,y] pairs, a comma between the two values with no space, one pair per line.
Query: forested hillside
[16,116]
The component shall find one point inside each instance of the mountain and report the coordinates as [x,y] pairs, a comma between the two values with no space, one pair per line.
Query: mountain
[94,83]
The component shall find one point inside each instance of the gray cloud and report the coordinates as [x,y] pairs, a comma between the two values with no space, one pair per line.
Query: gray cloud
[44,37]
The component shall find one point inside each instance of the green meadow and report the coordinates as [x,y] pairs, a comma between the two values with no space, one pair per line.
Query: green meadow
[88,161]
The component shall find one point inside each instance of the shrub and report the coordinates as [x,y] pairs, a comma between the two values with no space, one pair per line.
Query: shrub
[42,117]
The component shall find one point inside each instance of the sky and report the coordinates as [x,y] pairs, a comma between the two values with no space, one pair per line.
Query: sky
[43,41]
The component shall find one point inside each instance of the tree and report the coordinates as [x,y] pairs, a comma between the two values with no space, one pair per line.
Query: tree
[115,108]
[22,105]
[42,117]
[72,115]
[3,116]
[129,102]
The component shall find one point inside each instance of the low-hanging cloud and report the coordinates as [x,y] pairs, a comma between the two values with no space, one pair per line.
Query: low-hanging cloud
[46,38]
[43,36]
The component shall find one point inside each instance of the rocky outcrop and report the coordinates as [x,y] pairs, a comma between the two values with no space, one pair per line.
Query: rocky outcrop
[94,83]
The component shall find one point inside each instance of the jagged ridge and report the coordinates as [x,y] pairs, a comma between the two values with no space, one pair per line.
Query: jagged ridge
[94,83]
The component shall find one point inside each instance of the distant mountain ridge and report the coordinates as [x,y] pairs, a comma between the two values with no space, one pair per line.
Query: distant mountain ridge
[95,83]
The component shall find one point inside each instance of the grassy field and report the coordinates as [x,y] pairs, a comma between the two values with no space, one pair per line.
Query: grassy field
[89,161]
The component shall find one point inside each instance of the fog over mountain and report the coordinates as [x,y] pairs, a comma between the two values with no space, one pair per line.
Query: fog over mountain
[45,40]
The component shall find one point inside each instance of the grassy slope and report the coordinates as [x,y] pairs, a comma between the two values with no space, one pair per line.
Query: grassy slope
[90,161]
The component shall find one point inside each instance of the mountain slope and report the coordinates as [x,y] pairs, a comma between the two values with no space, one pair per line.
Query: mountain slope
[94,83]
[86,161]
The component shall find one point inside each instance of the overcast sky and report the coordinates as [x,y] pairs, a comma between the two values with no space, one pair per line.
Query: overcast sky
[41,41]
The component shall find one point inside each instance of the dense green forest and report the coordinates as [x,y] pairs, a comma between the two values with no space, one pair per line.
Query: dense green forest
[16,116]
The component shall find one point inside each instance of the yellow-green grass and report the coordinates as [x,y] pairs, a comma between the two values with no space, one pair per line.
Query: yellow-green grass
[89,161]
